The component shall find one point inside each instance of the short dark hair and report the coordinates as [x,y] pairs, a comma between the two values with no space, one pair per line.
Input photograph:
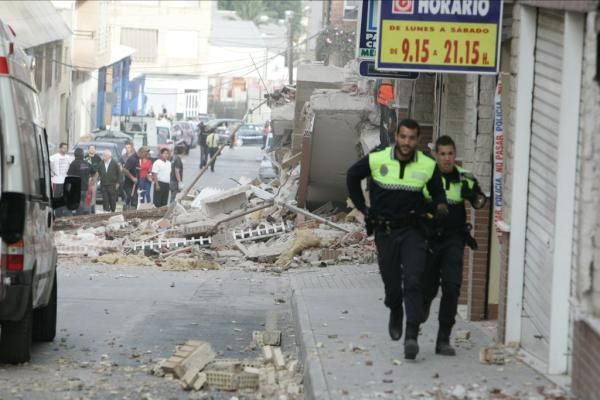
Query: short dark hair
[78,152]
[410,124]
[444,140]
[62,144]
[164,150]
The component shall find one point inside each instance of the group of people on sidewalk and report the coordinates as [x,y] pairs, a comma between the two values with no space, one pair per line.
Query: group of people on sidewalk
[134,177]
[417,214]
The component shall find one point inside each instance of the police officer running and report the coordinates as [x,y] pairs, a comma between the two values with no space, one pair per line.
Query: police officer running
[398,175]
[445,263]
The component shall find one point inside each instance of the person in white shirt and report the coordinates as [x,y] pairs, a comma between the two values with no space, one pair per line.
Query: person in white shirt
[161,175]
[59,165]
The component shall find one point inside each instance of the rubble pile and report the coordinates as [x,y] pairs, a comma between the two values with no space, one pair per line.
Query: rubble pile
[255,226]
[274,374]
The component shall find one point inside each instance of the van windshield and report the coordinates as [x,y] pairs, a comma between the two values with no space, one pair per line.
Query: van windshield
[163,135]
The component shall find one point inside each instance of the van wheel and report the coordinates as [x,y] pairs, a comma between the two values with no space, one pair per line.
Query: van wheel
[15,340]
[44,318]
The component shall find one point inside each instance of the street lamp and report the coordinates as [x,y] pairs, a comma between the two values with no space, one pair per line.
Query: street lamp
[289,15]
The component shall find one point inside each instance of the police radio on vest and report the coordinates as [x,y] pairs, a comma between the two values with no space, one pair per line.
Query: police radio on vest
[455,7]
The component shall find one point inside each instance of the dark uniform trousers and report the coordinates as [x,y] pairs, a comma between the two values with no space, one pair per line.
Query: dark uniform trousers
[401,255]
[445,268]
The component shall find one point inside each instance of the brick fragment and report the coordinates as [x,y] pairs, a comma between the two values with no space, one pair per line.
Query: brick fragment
[268,353]
[203,355]
[200,381]
[278,359]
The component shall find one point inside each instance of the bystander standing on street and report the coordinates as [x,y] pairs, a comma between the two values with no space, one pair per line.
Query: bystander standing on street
[92,157]
[212,141]
[161,175]
[176,183]
[110,175]
[130,180]
[445,262]
[86,172]
[202,135]
[59,166]
[145,176]
[398,174]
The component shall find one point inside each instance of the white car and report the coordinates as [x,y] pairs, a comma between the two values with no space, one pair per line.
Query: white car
[28,283]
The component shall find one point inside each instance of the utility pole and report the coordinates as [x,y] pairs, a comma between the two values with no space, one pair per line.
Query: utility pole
[290,50]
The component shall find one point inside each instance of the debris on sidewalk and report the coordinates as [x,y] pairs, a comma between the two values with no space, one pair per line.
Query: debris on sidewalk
[495,354]
[196,367]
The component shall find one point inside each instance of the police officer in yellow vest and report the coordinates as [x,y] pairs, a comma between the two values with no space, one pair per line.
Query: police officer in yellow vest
[397,175]
[445,262]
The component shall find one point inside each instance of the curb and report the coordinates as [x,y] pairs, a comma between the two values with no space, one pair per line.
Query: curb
[315,385]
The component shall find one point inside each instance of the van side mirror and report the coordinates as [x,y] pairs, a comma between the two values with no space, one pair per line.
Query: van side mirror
[12,216]
[71,194]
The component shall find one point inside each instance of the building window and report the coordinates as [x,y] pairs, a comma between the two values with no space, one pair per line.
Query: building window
[351,8]
[48,66]
[144,41]
[58,56]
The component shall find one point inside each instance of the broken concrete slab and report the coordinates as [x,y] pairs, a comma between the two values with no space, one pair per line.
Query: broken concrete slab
[200,381]
[278,359]
[199,358]
[225,202]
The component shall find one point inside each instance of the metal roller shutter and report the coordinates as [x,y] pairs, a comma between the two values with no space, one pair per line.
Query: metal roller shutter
[541,198]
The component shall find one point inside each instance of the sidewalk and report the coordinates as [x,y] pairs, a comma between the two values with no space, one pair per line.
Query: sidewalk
[341,329]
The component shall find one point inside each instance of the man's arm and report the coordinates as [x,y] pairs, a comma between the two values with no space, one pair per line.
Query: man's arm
[356,173]
[435,187]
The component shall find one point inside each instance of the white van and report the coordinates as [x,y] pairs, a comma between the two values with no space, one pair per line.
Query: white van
[28,284]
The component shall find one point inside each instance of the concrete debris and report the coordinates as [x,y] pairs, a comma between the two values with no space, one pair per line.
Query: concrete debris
[255,226]
[495,354]
[195,367]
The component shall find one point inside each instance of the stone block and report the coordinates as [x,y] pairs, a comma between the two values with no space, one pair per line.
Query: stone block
[200,381]
[203,355]
[268,353]
[226,202]
[278,358]
[190,377]
[272,338]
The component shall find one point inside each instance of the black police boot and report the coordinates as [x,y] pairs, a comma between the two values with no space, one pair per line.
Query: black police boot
[395,325]
[442,344]
[411,346]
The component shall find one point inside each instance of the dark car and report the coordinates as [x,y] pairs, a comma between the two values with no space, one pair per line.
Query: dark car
[112,137]
[185,131]
[249,135]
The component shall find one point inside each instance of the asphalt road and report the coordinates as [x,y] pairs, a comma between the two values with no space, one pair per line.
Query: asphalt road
[232,163]
[115,322]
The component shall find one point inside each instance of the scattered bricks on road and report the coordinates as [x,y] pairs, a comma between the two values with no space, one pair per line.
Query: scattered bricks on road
[200,381]
[268,353]
[272,338]
[462,334]
[278,358]
[197,359]
[247,380]
[330,254]
[292,366]
[257,338]
[492,355]
[190,377]
[310,224]
[223,380]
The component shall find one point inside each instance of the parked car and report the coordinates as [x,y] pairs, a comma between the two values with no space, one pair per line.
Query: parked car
[112,136]
[185,131]
[249,135]
[224,135]
[28,278]
[219,122]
